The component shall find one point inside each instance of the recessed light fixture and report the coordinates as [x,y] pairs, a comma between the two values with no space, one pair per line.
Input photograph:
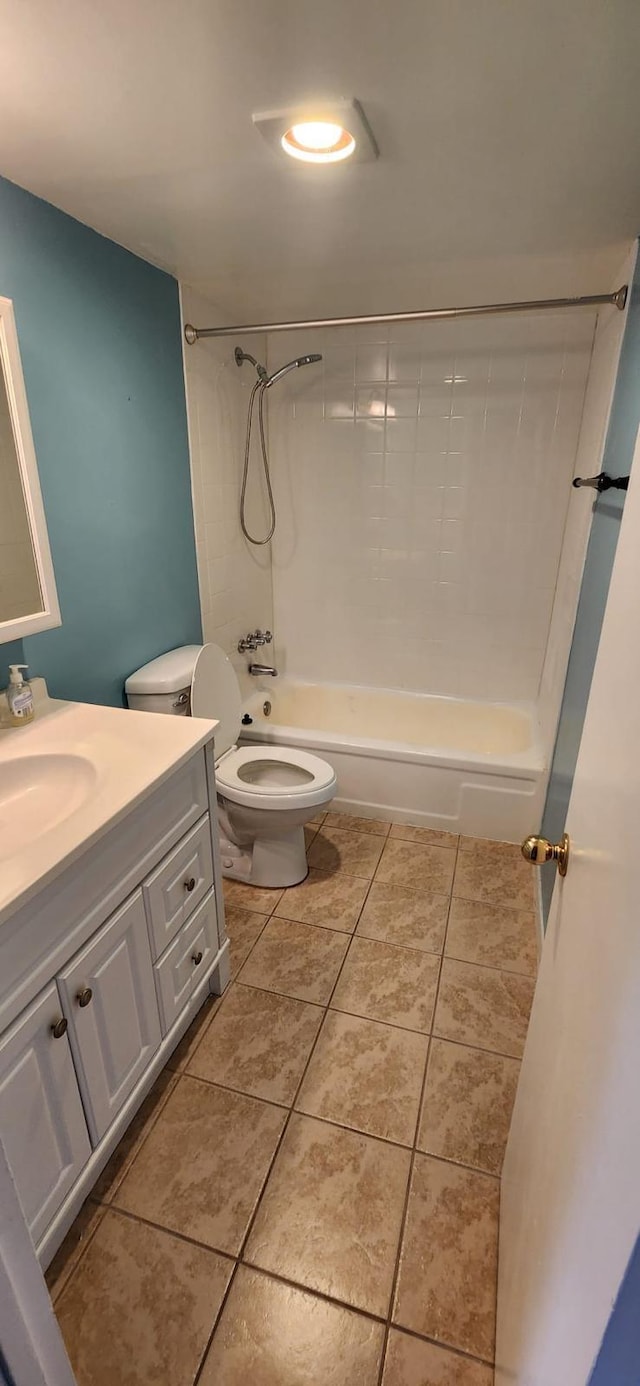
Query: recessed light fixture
[326,132]
[318,142]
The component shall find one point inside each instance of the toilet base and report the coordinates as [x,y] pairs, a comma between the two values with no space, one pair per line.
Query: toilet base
[270,862]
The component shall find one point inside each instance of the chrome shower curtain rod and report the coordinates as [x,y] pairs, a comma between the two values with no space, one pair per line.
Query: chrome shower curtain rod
[535,305]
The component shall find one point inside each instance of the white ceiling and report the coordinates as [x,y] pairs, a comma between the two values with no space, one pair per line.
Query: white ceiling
[507,128]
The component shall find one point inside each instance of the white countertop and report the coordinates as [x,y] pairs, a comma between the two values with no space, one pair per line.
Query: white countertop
[122,756]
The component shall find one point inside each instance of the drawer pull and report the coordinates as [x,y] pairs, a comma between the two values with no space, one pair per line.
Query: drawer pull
[83,997]
[190,884]
[197,958]
[60,1028]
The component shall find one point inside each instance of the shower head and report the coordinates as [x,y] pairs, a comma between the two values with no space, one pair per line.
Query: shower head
[291,365]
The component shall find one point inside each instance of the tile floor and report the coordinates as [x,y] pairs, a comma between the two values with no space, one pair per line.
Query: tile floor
[309,1195]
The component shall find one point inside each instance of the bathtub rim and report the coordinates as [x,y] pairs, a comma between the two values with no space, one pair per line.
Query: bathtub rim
[522,764]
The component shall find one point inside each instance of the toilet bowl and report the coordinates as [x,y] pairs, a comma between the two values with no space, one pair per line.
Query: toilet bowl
[266,794]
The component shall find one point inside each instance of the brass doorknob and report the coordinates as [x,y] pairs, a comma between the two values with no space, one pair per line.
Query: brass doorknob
[538,850]
[83,997]
[190,884]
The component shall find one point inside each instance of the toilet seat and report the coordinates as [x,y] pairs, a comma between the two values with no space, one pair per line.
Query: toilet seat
[274,777]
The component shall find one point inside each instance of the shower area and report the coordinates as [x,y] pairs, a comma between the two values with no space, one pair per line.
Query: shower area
[422,568]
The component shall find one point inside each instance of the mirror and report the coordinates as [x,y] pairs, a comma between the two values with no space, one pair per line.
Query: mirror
[28,597]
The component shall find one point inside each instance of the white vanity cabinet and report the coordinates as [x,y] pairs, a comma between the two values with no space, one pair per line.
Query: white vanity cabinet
[100,975]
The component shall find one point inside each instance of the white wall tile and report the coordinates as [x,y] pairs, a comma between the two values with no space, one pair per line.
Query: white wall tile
[409,541]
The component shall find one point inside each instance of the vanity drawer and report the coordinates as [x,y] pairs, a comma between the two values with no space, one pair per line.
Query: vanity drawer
[186,961]
[178,885]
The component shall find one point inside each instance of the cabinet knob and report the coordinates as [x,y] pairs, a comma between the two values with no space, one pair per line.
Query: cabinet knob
[190,884]
[83,997]
[197,958]
[60,1028]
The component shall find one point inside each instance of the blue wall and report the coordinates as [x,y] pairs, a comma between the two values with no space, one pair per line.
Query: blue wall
[618,455]
[99,333]
[618,1362]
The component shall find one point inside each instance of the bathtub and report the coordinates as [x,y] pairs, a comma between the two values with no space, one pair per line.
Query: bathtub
[469,767]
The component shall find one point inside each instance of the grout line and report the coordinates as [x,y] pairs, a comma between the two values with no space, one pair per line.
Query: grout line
[492,967]
[216,1321]
[290,1114]
[330,1121]
[317,1294]
[56,1291]
[405,1213]
[444,1346]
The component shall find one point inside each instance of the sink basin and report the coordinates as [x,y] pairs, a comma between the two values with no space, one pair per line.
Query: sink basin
[38,792]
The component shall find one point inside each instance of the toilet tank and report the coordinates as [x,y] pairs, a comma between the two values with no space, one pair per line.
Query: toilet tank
[164,684]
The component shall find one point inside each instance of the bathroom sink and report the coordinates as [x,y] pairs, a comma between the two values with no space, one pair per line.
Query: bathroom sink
[37,792]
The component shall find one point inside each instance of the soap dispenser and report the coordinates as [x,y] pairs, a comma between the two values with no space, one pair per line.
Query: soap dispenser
[19,697]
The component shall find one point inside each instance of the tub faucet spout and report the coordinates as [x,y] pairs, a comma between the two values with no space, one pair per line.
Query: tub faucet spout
[258,669]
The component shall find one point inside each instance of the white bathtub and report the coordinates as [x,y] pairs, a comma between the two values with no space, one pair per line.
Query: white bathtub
[475,768]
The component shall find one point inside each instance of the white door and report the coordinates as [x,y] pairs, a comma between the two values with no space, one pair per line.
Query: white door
[109,998]
[42,1123]
[571,1185]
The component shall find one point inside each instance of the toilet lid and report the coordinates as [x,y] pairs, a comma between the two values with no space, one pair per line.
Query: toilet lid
[215,693]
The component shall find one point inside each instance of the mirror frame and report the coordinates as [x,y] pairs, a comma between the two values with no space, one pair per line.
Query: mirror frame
[49,614]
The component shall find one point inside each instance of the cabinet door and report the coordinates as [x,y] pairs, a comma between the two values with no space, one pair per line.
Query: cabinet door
[108,996]
[42,1125]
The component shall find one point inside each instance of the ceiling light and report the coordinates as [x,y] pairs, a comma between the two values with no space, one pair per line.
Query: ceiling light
[318,142]
[326,132]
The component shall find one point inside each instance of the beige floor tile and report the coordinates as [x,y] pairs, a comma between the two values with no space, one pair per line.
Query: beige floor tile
[495,875]
[141,1306]
[201,1169]
[483,1007]
[468,1101]
[243,927]
[296,959]
[317,820]
[428,837]
[367,1076]
[187,1046]
[271,1334]
[332,902]
[412,1362]
[73,1247]
[249,897]
[331,1213]
[492,935]
[129,1144]
[418,868]
[378,826]
[384,982]
[410,918]
[448,1264]
[258,1043]
[336,850]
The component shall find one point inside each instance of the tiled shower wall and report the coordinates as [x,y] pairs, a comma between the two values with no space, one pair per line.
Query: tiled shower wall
[235,579]
[422,479]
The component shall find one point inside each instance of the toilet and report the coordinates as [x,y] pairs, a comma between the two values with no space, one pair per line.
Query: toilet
[266,794]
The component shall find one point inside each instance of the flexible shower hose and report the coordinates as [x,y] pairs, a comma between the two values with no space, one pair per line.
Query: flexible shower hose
[259,386]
